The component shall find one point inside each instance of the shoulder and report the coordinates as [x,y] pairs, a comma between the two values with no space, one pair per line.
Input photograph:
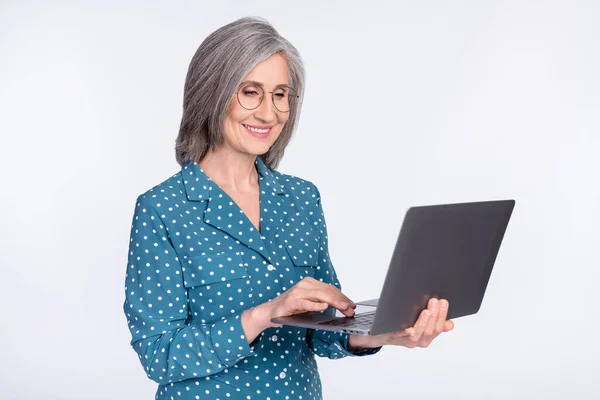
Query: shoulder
[164,194]
[302,189]
[305,194]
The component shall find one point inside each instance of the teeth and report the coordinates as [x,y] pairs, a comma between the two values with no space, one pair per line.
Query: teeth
[256,129]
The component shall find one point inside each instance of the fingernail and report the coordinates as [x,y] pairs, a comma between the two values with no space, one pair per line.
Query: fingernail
[434,304]
[344,304]
[443,305]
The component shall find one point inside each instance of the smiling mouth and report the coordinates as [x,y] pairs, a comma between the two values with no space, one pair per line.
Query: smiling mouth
[258,130]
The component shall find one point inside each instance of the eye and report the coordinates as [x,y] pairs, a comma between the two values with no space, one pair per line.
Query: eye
[280,94]
[251,91]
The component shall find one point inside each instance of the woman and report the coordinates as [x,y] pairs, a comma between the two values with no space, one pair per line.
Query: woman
[227,243]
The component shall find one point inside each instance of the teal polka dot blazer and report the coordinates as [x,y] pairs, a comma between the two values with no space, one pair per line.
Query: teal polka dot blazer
[196,262]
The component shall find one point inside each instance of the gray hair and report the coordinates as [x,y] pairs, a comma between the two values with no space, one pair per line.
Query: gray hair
[220,64]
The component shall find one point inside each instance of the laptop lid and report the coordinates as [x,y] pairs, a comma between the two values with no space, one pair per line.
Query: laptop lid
[443,251]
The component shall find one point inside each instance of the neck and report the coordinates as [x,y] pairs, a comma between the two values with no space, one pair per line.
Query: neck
[231,170]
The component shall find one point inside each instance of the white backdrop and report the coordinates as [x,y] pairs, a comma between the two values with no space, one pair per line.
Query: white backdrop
[408,102]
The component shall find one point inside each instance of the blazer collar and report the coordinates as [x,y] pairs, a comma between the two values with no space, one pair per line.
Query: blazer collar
[198,185]
[221,211]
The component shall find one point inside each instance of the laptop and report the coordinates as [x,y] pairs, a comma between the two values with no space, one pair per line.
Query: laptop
[442,251]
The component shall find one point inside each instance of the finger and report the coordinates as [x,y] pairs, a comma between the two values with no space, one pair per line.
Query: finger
[443,314]
[335,291]
[312,283]
[306,283]
[302,283]
[308,305]
[325,296]
[433,318]
[420,326]
[448,326]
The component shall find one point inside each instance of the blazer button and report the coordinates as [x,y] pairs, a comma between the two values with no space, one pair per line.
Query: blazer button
[270,267]
[274,338]
[282,375]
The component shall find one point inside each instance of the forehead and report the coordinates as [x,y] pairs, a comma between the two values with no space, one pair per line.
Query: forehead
[271,72]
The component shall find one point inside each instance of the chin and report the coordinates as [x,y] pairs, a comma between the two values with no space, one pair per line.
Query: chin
[257,150]
[258,146]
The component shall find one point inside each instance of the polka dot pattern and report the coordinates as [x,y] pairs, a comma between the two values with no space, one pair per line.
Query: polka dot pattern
[196,262]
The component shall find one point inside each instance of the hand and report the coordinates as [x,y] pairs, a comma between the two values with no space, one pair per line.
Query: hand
[431,322]
[308,294]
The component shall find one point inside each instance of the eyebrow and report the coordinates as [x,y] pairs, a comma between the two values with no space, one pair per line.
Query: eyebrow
[281,85]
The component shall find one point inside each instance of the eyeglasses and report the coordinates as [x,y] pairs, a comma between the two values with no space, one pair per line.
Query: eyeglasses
[250,96]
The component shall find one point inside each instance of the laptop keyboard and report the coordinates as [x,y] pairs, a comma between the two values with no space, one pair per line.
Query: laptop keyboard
[360,321]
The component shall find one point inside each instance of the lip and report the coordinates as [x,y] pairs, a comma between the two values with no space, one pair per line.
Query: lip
[259,126]
[258,135]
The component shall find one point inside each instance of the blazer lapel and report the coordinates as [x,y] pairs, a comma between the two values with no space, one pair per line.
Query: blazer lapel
[224,214]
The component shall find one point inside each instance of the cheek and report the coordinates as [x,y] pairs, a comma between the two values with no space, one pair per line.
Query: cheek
[283,121]
[235,113]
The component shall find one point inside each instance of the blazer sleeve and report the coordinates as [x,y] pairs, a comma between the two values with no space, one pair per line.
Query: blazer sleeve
[156,307]
[328,344]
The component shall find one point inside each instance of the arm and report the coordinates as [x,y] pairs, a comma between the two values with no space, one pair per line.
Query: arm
[156,306]
[328,344]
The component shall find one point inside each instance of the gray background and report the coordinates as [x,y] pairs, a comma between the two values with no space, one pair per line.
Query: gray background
[407,103]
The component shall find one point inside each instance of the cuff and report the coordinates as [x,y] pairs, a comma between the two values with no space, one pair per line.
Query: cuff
[229,340]
[366,352]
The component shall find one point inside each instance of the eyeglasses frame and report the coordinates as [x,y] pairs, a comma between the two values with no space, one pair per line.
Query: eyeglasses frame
[237,95]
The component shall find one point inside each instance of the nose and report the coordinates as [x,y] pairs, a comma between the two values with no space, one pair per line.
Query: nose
[266,111]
